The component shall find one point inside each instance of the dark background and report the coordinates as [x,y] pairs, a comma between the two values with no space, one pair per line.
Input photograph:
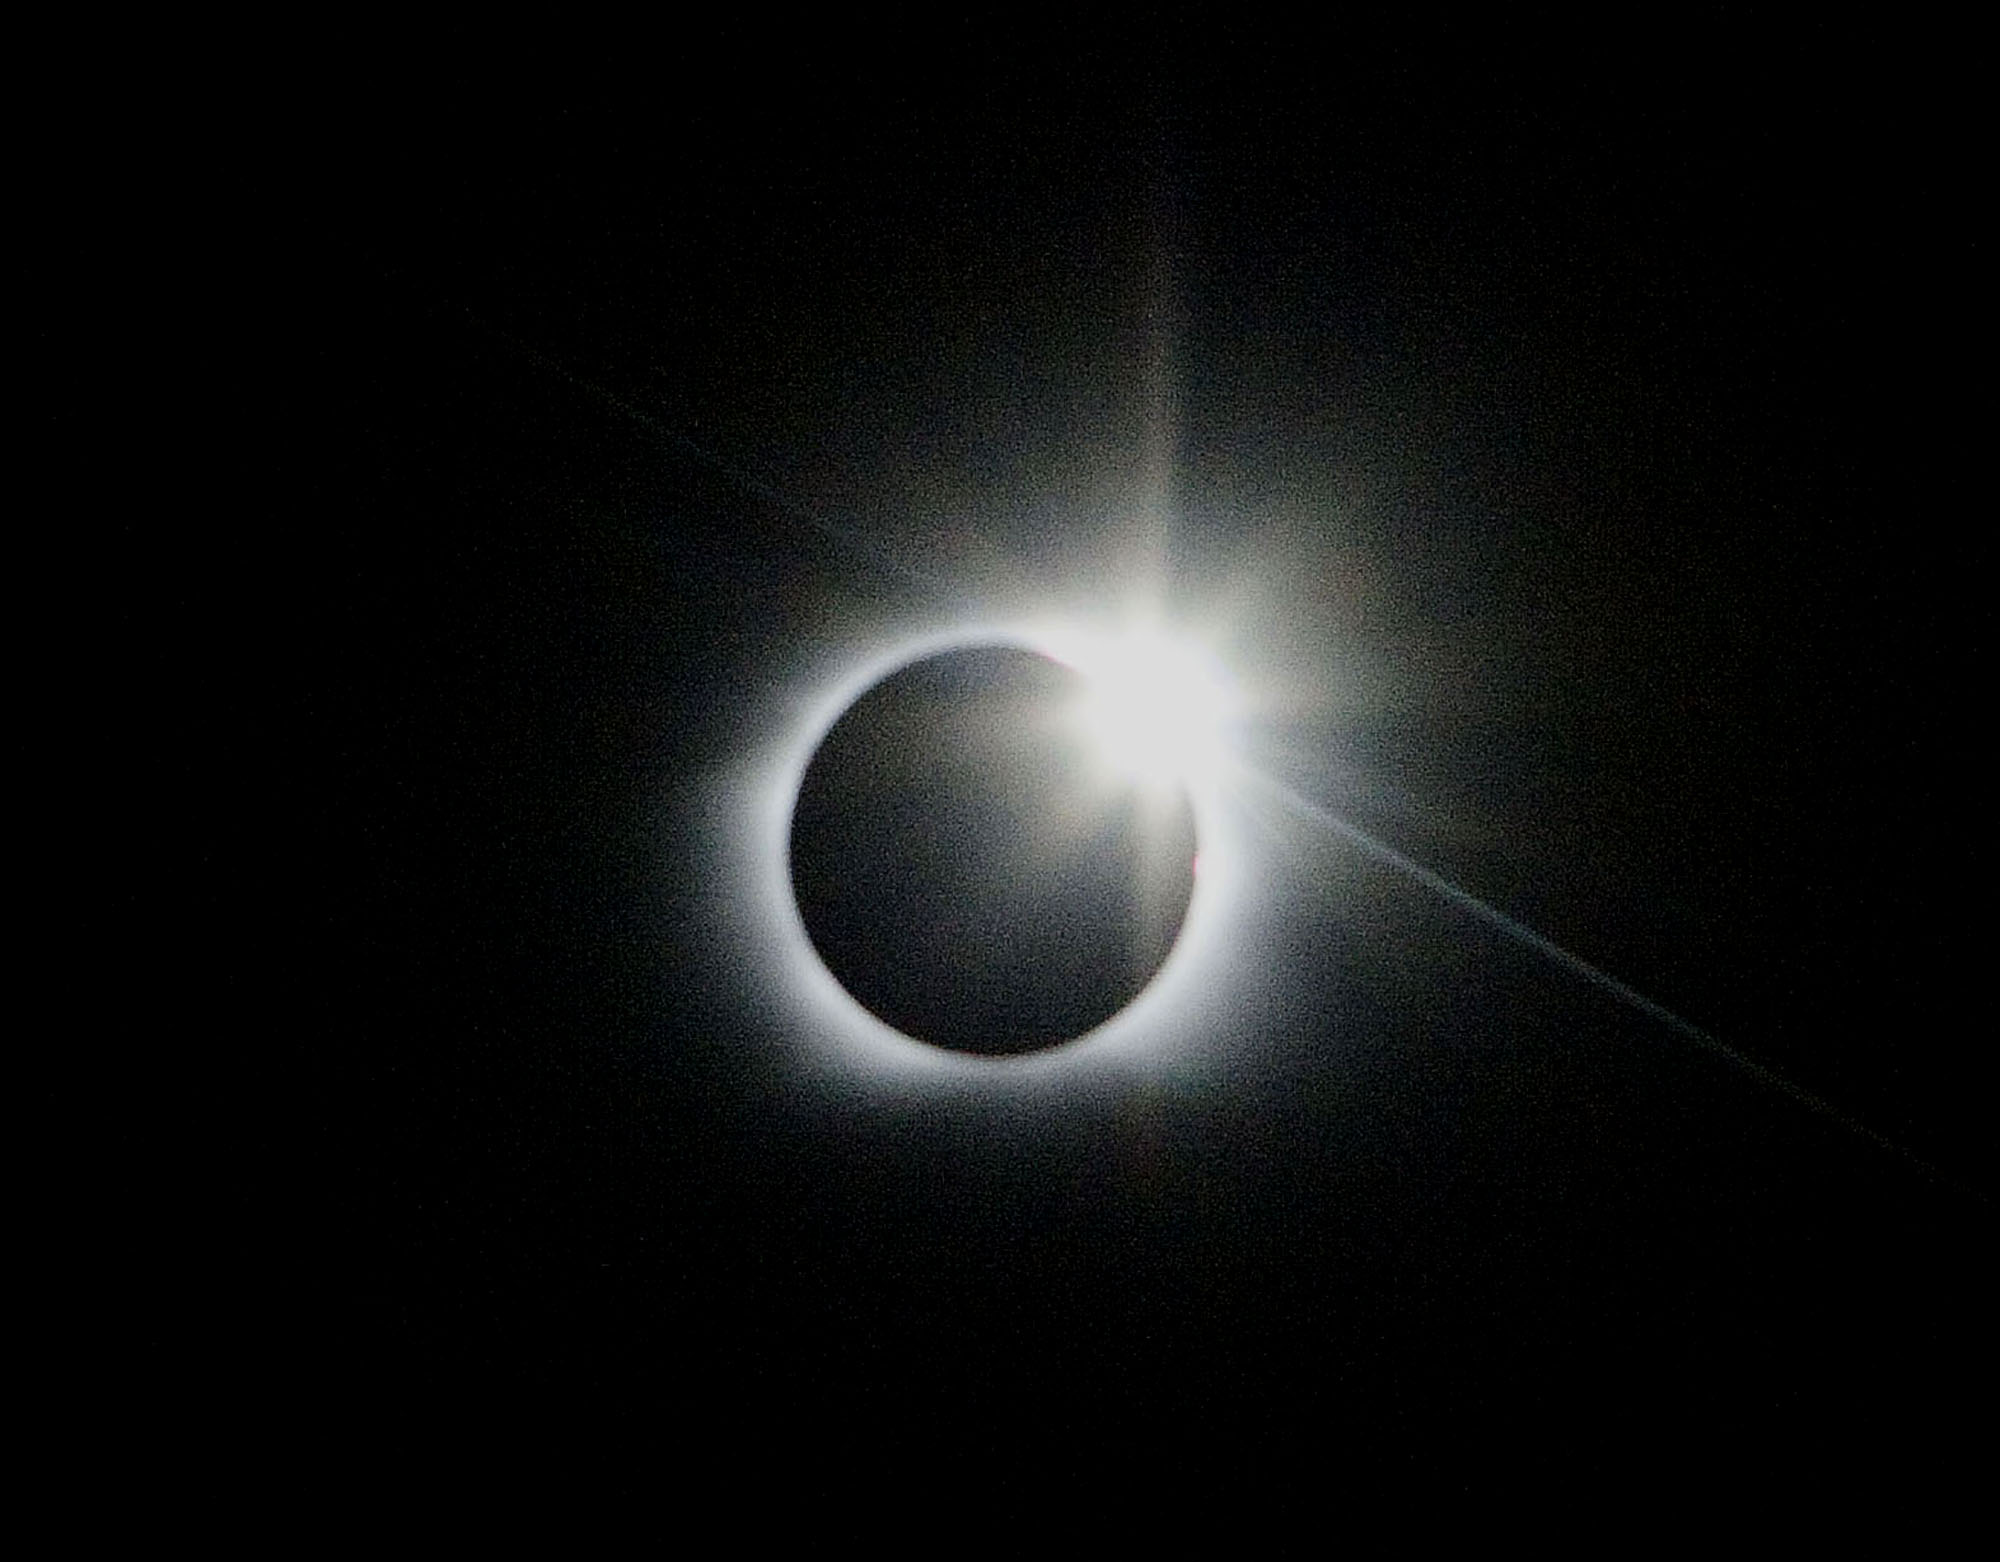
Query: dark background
[1569,433]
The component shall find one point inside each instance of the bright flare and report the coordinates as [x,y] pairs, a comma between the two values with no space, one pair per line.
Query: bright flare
[1156,709]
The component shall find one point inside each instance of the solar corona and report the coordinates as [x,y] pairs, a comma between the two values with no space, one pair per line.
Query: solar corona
[1003,846]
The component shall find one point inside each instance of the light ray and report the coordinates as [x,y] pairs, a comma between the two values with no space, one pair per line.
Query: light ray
[1596,976]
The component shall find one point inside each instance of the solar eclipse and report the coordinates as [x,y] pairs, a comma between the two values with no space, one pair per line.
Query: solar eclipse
[1005,843]
[991,852]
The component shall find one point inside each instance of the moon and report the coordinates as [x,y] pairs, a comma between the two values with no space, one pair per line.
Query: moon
[973,864]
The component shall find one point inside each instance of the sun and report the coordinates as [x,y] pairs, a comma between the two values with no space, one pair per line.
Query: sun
[1159,712]
[1156,708]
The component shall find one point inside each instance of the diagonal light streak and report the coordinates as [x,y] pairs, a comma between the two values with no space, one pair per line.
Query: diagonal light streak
[1596,976]
[844,533]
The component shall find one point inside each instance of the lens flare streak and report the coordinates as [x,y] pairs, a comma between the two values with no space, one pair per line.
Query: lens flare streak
[1603,980]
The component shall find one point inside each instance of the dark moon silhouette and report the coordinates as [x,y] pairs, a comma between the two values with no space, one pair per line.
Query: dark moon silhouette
[969,872]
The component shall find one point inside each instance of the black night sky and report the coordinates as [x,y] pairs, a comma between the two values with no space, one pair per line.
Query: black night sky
[1565,440]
